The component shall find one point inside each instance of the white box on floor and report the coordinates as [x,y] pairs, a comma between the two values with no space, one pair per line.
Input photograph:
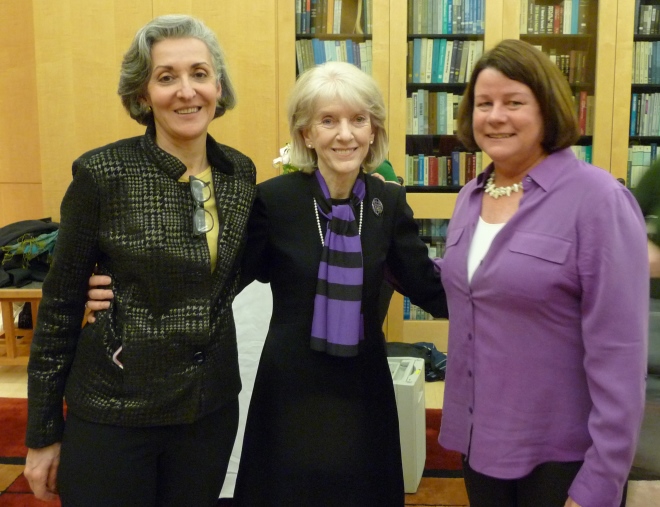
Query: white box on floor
[408,379]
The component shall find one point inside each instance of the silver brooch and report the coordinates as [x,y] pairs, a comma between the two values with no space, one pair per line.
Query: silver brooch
[377,206]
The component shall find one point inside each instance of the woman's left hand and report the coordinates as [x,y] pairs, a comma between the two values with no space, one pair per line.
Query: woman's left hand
[571,503]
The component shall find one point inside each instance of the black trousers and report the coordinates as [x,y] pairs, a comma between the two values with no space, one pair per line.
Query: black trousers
[546,486]
[161,466]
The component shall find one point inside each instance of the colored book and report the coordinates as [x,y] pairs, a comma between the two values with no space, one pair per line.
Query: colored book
[417,60]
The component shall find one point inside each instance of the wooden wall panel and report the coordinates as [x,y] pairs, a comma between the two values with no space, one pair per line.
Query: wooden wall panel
[20,171]
[20,201]
[79,44]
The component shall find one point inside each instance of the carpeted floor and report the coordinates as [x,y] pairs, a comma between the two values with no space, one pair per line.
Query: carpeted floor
[441,486]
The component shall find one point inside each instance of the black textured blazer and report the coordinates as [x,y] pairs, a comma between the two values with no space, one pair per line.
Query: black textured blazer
[126,212]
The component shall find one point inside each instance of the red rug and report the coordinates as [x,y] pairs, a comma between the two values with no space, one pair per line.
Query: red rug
[15,491]
[439,459]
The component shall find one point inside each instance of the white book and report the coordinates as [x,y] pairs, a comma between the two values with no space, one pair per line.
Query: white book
[568,16]
[336,20]
[369,56]
[421,118]
[423,47]
[450,113]
[415,118]
[429,60]
[299,56]
[524,5]
[448,52]
[363,56]
[409,116]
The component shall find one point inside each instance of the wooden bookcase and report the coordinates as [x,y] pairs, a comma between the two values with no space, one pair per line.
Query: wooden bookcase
[610,47]
[639,75]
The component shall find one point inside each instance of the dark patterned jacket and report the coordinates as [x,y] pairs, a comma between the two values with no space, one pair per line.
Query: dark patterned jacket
[126,212]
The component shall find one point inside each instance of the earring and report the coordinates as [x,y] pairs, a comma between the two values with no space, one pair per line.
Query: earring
[309,146]
[371,142]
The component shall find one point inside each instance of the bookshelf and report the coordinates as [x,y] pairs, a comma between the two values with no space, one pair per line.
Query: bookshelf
[567,32]
[644,118]
[444,41]
[334,30]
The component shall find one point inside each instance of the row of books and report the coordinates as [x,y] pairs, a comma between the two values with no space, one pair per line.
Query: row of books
[646,62]
[647,19]
[574,64]
[442,60]
[460,167]
[569,17]
[645,114]
[311,52]
[435,113]
[316,17]
[640,158]
[432,113]
[444,17]
[442,171]
[436,229]
[414,312]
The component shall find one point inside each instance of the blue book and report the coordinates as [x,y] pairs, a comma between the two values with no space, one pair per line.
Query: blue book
[455,168]
[633,115]
[436,61]
[421,170]
[317,46]
[349,51]
[406,308]
[575,12]
[417,56]
[449,16]
[467,15]
[441,60]
[654,152]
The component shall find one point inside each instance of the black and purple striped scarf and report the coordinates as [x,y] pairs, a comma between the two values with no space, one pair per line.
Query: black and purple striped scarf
[338,326]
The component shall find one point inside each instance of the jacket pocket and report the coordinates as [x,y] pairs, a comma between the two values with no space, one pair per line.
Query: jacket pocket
[541,246]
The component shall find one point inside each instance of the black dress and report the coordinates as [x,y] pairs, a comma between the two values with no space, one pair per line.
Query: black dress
[323,430]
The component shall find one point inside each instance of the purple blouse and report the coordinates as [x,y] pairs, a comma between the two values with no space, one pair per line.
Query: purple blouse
[547,344]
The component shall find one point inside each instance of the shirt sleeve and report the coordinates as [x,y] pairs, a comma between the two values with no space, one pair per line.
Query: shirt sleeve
[61,309]
[613,270]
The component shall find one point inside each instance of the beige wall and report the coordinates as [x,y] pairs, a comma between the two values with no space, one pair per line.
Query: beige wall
[59,65]
[20,164]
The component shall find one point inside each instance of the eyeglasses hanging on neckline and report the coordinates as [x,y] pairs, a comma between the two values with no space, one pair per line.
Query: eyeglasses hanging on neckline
[202,218]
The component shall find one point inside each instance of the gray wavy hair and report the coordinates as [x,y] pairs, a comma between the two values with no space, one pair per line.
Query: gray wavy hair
[136,65]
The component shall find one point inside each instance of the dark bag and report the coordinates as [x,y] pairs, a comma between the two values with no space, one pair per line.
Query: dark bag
[435,362]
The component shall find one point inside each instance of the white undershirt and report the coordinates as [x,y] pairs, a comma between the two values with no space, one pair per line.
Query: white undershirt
[481,241]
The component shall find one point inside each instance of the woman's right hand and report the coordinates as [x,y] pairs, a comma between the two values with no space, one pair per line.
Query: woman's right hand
[41,471]
[99,299]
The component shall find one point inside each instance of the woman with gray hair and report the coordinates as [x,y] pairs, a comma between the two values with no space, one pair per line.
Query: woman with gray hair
[151,387]
[322,427]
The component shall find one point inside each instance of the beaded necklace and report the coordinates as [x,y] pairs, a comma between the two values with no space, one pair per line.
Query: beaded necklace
[497,192]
